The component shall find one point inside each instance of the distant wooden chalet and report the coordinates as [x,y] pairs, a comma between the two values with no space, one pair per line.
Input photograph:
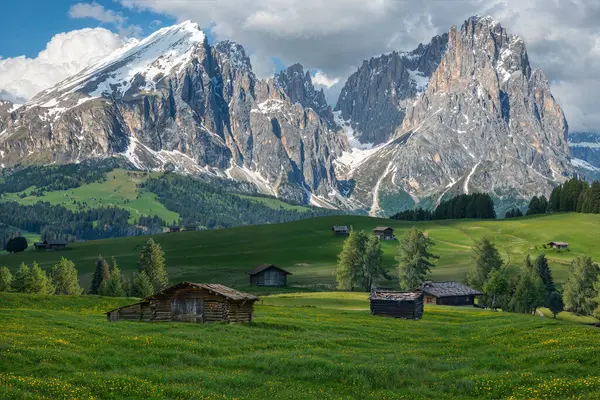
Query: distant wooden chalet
[339,230]
[53,244]
[558,245]
[174,229]
[449,294]
[407,305]
[268,275]
[190,302]
[384,233]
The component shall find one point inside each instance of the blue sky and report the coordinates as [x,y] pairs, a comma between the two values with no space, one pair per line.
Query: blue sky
[27,25]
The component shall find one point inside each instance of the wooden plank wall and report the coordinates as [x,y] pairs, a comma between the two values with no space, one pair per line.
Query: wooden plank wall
[187,305]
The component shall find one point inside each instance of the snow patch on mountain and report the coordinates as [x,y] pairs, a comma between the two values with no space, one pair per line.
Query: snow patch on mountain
[583,164]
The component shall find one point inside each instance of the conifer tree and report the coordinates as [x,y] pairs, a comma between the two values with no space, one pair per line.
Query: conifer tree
[152,262]
[5,279]
[543,270]
[142,285]
[486,258]
[351,261]
[38,281]
[530,292]
[21,278]
[579,293]
[64,278]
[373,262]
[116,286]
[101,273]
[414,259]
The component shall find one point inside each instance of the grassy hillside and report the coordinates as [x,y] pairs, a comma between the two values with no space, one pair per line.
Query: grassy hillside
[308,249]
[120,189]
[292,352]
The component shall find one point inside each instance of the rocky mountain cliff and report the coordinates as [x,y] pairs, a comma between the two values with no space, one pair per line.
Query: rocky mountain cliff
[374,99]
[485,122]
[463,113]
[173,101]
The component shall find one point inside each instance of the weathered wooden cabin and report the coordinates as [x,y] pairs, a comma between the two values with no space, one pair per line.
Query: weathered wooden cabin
[407,305]
[558,245]
[268,275]
[190,302]
[340,230]
[52,244]
[449,294]
[384,233]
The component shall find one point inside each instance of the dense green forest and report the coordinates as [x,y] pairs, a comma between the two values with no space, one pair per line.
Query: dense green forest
[476,205]
[57,177]
[212,206]
[57,222]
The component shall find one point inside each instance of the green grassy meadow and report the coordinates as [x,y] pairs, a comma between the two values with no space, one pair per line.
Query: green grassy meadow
[120,189]
[301,346]
[309,250]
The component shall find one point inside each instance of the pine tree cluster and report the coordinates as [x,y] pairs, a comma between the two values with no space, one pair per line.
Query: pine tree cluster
[476,206]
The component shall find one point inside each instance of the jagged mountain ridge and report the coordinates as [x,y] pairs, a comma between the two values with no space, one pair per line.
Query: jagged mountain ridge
[462,113]
[173,100]
[485,122]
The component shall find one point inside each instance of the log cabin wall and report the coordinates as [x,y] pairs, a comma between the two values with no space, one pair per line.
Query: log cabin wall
[187,304]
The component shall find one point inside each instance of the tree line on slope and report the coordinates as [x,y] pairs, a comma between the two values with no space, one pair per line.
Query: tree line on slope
[58,222]
[214,206]
[62,279]
[476,206]
[575,195]
[58,177]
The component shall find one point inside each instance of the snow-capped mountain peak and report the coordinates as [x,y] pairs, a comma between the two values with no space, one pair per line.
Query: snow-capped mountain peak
[137,66]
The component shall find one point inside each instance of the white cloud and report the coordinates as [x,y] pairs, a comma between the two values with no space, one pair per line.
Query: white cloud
[66,54]
[321,79]
[334,36]
[95,11]
[98,12]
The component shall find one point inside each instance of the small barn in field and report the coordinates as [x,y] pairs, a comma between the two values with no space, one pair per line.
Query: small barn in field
[384,233]
[449,294]
[268,275]
[52,244]
[340,230]
[190,302]
[558,245]
[407,305]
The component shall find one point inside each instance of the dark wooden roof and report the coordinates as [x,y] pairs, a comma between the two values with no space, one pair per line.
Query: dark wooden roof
[382,228]
[55,242]
[559,243]
[448,289]
[395,296]
[261,268]
[215,288]
[340,228]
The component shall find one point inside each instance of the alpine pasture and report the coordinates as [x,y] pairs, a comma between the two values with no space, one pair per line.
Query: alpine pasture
[301,346]
[308,249]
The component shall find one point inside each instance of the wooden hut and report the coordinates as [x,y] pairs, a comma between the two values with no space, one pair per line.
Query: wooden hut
[340,230]
[558,245]
[268,275]
[190,302]
[407,305]
[384,233]
[52,244]
[449,294]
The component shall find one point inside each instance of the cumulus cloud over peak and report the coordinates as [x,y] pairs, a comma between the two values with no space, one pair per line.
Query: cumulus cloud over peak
[66,54]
